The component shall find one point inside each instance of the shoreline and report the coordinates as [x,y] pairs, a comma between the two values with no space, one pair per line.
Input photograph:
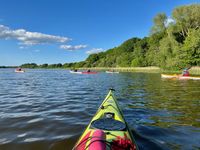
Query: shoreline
[126,69]
[152,69]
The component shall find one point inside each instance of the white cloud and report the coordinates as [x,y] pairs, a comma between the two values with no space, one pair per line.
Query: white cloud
[30,38]
[70,47]
[95,51]
[169,21]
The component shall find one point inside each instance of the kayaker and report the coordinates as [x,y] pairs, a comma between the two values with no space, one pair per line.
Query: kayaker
[88,70]
[185,72]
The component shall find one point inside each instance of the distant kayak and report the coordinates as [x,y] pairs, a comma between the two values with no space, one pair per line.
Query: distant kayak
[112,72]
[19,70]
[175,76]
[76,72]
[107,130]
[83,72]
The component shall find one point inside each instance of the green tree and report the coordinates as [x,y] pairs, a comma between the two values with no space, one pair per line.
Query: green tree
[44,66]
[159,23]
[29,65]
[190,53]
[186,18]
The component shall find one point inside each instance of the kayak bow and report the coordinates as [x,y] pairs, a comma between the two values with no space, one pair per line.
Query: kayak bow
[107,130]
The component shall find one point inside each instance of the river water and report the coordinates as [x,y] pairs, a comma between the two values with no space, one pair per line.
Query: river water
[49,109]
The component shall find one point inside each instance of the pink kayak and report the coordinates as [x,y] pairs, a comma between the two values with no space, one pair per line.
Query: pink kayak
[85,72]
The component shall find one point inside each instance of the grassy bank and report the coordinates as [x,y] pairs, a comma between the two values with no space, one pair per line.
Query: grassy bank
[152,69]
[193,71]
[126,69]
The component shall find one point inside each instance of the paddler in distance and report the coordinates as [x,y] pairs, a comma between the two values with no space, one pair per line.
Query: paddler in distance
[186,72]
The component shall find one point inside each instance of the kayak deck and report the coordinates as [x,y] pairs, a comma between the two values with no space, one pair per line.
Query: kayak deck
[110,122]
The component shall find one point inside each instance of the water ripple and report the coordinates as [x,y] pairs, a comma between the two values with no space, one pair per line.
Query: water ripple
[42,107]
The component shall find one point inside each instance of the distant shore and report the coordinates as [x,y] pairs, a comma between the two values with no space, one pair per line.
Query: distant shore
[151,69]
[126,69]
[1,67]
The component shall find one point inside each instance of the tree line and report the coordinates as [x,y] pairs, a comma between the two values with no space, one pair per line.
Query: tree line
[48,66]
[173,43]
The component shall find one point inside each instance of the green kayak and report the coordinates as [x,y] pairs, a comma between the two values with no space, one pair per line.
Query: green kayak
[107,130]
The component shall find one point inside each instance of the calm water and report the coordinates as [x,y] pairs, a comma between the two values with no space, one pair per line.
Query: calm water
[49,109]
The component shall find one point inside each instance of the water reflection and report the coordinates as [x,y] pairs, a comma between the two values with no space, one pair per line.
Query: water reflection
[173,102]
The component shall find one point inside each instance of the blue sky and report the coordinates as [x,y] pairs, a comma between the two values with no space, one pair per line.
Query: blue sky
[59,31]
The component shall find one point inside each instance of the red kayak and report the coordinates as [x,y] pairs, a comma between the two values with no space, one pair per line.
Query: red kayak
[85,72]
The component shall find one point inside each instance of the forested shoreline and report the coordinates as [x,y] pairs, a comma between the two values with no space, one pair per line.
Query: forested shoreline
[173,44]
